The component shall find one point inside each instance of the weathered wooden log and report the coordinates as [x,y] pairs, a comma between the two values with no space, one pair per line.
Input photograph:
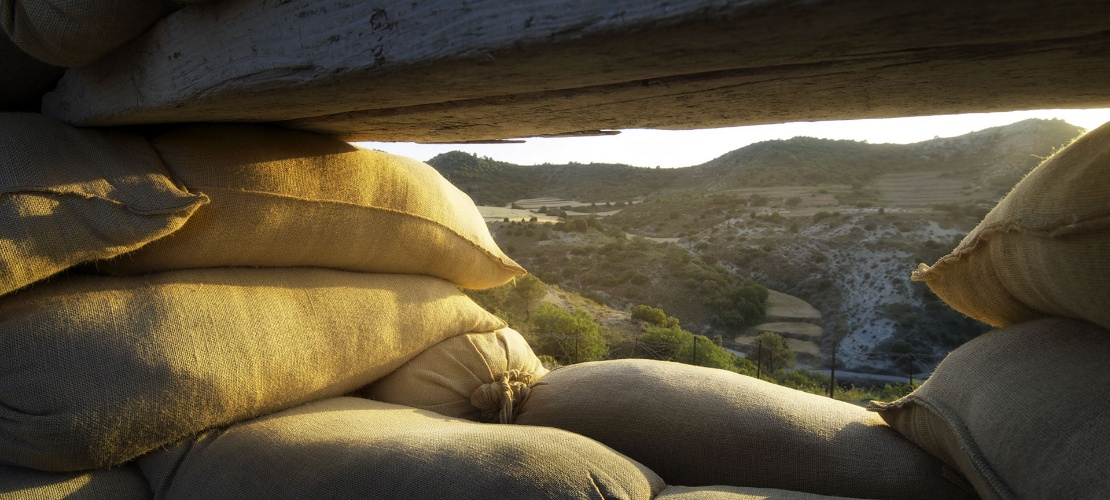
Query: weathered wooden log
[486,70]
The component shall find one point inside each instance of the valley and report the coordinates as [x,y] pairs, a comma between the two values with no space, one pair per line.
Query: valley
[832,229]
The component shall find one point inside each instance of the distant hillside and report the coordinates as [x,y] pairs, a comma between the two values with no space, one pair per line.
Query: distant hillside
[491,182]
[992,160]
[838,224]
[997,157]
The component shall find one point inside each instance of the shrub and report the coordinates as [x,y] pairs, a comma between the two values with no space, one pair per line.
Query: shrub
[569,337]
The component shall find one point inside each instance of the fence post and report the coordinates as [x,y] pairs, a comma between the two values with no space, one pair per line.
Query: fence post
[759,361]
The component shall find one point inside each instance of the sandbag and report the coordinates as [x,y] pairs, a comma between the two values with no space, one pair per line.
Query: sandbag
[288,198]
[69,195]
[736,493]
[1020,411]
[1042,250]
[357,448]
[25,79]
[74,33]
[124,482]
[478,376]
[97,370]
[698,426]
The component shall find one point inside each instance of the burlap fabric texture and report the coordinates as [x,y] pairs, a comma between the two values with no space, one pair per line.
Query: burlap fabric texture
[478,376]
[74,33]
[98,370]
[1042,251]
[287,198]
[357,448]
[697,426]
[125,482]
[1022,411]
[736,493]
[69,195]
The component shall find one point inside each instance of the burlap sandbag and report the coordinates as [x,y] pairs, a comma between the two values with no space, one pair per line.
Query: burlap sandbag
[697,426]
[68,195]
[479,376]
[74,33]
[1042,251]
[96,370]
[1022,411]
[736,493]
[124,482]
[24,79]
[289,198]
[357,448]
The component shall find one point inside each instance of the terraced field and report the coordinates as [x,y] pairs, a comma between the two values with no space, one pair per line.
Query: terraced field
[796,321]
[920,189]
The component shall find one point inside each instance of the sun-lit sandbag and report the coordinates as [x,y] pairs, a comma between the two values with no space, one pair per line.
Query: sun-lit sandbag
[287,198]
[1021,411]
[697,426]
[357,448]
[1042,251]
[96,370]
[478,376]
[124,482]
[69,195]
[736,493]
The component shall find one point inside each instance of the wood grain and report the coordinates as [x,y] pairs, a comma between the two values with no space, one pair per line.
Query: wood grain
[485,70]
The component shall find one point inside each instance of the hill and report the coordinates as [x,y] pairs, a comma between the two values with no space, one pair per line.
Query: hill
[838,224]
[987,161]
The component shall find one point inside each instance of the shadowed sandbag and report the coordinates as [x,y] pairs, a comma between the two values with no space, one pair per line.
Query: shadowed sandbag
[1042,251]
[736,493]
[97,370]
[69,195]
[74,33]
[697,426]
[478,376]
[124,482]
[357,448]
[288,198]
[1021,411]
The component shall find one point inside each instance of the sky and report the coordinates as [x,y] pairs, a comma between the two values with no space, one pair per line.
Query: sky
[685,148]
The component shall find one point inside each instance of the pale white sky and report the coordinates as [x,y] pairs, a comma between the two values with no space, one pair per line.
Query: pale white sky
[684,148]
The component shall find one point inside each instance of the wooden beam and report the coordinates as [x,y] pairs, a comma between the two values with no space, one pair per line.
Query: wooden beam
[485,70]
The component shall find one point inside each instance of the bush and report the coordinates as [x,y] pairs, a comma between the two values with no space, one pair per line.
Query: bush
[664,342]
[569,337]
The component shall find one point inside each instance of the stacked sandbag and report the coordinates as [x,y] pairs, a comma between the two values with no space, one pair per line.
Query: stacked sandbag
[1020,411]
[357,448]
[320,268]
[1042,251]
[71,195]
[484,377]
[98,370]
[287,198]
[697,426]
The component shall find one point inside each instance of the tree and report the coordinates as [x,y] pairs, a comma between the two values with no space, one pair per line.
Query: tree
[653,315]
[708,354]
[566,336]
[527,290]
[578,225]
[741,306]
[771,352]
[665,341]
